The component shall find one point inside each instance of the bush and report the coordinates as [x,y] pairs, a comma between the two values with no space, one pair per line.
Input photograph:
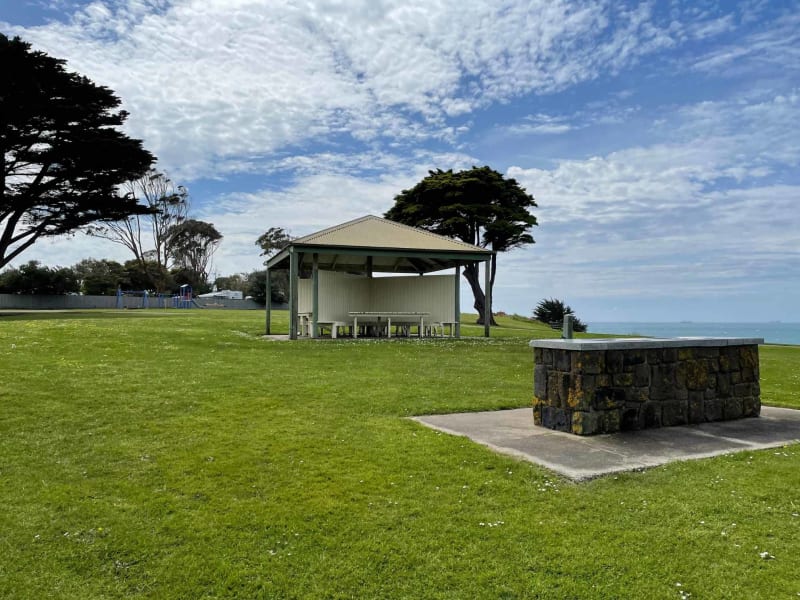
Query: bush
[257,286]
[551,312]
[35,278]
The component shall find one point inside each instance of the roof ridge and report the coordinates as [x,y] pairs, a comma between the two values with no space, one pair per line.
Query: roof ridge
[327,230]
[429,233]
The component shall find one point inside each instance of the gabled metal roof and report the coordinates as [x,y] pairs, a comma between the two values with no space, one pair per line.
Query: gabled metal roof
[375,244]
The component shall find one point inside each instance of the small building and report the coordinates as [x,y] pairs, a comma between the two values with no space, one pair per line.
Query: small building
[357,273]
[224,294]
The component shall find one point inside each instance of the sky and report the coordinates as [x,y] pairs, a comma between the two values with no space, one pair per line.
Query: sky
[660,139]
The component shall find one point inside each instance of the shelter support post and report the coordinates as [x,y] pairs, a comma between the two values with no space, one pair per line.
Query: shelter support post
[315,295]
[268,276]
[487,307]
[457,302]
[293,271]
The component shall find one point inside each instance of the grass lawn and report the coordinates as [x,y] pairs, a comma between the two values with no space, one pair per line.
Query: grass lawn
[177,454]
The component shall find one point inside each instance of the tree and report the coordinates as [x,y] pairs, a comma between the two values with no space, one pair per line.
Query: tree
[147,236]
[193,244]
[140,276]
[478,207]
[551,312]
[273,240]
[33,278]
[236,282]
[257,286]
[100,277]
[182,275]
[64,157]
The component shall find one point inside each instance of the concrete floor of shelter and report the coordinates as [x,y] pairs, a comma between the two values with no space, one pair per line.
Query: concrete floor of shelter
[586,457]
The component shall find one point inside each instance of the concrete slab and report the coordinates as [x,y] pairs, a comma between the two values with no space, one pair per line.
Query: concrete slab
[580,458]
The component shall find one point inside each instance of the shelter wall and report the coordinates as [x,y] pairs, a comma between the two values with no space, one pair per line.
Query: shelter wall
[340,293]
[433,294]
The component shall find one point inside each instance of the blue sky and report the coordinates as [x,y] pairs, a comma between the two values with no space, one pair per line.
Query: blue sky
[660,139]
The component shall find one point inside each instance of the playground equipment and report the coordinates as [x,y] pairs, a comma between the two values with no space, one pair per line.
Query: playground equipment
[143,294]
[184,297]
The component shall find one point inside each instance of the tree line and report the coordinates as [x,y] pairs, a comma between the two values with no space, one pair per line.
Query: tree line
[148,269]
[102,277]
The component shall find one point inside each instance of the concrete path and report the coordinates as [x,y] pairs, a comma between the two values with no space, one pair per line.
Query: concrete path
[579,458]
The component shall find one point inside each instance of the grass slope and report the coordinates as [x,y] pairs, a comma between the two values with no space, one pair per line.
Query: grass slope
[177,454]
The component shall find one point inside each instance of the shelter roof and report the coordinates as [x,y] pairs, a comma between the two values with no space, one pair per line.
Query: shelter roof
[380,245]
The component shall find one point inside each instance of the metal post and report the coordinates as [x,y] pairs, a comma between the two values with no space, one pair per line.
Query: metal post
[566,329]
[293,269]
[315,294]
[457,303]
[268,276]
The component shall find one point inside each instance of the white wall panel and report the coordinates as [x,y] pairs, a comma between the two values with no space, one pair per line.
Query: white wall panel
[340,293]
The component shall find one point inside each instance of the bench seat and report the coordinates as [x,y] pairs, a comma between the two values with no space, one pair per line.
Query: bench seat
[333,326]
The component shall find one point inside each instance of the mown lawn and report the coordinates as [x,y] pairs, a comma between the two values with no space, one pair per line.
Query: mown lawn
[177,454]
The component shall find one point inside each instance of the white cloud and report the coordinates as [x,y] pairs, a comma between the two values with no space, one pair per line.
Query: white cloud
[690,217]
[214,81]
[315,202]
[325,192]
[540,124]
[337,106]
[775,49]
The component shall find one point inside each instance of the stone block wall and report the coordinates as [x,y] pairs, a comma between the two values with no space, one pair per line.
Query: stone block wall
[588,392]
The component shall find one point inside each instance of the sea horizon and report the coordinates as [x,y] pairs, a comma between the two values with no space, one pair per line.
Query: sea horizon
[773,332]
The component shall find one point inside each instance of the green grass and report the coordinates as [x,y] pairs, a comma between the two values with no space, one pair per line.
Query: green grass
[177,454]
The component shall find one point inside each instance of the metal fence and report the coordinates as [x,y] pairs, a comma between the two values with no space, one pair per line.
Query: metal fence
[26,302]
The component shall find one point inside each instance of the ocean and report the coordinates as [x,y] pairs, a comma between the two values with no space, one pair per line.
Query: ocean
[773,333]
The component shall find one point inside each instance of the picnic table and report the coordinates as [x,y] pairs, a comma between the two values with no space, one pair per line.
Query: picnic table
[379,318]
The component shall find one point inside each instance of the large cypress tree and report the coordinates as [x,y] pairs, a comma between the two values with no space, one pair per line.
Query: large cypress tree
[64,155]
[478,206]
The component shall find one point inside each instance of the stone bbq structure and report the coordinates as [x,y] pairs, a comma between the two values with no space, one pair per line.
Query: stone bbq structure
[591,386]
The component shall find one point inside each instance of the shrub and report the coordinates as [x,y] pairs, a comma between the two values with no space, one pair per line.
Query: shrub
[551,311]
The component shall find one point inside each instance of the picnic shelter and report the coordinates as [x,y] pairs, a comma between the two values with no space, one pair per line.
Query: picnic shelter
[333,283]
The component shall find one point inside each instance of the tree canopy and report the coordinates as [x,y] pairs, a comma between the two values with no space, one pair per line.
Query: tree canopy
[192,244]
[279,286]
[477,206]
[35,278]
[273,240]
[100,277]
[147,236]
[63,154]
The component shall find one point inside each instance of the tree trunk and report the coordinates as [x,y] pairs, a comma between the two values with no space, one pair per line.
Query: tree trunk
[472,275]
